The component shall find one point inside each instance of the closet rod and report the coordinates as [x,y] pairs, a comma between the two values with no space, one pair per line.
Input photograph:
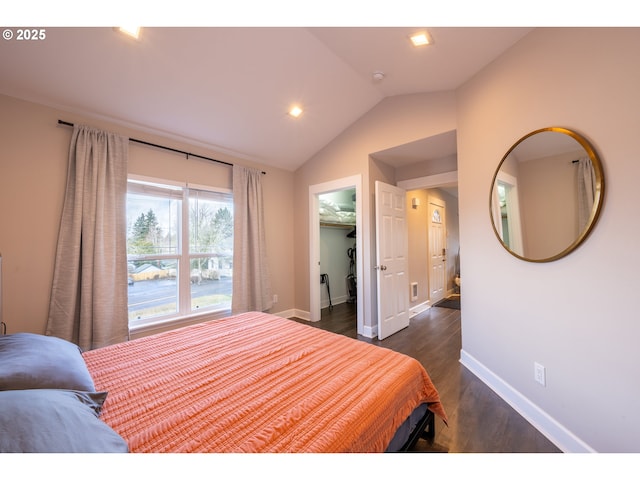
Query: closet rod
[69,124]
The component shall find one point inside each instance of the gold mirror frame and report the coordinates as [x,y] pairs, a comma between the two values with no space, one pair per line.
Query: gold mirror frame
[597,202]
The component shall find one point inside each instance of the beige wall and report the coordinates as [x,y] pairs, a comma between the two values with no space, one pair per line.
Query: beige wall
[418,240]
[33,165]
[576,316]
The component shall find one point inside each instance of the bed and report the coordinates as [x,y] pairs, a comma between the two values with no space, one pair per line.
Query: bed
[255,382]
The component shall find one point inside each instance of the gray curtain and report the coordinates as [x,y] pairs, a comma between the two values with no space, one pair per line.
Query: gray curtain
[251,280]
[88,303]
[586,177]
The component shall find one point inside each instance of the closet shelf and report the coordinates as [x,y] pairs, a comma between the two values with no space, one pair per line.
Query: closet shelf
[337,225]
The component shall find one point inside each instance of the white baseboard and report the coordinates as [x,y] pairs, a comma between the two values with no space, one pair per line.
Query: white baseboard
[543,422]
[294,312]
[370,331]
[421,307]
[334,301]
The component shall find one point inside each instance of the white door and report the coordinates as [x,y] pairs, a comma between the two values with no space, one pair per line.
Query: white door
[437,250]
[391,260]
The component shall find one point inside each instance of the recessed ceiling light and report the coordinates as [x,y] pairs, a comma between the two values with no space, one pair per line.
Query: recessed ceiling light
[131,31]
[295,111]
[420,39]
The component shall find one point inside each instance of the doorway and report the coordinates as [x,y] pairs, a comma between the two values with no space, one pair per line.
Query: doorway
[338,249]
[435,278]
[344,186]
[436,226]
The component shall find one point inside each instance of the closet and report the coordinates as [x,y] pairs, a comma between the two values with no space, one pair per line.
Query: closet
[337,247]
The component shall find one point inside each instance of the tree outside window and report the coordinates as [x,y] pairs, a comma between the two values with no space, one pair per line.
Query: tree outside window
[169,277]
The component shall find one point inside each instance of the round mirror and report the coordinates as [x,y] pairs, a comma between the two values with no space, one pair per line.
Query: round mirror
[546,194]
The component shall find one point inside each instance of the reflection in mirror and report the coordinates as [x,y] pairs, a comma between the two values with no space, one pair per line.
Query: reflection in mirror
[509,226]
[546,194]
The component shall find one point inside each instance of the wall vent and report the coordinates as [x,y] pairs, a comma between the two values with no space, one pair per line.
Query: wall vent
[414,291]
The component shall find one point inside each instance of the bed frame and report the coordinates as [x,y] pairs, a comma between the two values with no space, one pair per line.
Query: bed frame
[425,428]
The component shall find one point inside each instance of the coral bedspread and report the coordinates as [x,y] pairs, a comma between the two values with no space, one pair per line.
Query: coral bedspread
[256,382]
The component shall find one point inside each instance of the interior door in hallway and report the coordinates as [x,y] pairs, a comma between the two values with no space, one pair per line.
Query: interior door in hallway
[437,238]
[391,259]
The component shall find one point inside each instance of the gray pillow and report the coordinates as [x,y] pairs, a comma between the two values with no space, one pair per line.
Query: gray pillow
[55,421]
[28,360]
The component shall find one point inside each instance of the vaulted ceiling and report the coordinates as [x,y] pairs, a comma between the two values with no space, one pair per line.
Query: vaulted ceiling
[230,88]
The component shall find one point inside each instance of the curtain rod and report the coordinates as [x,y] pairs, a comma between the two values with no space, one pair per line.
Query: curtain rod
[69,124]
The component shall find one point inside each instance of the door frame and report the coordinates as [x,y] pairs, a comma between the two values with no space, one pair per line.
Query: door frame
[315,191]
[448,179]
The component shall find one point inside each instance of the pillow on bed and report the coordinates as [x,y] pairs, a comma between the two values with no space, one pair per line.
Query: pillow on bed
[28,360]
[55,421]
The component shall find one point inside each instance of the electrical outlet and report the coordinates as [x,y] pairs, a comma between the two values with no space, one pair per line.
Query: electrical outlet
[539,374]
[275,299]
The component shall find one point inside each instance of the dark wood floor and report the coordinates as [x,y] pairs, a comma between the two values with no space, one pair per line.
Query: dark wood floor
[479,420]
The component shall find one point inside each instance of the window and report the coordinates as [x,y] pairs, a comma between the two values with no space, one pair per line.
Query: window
[179,251]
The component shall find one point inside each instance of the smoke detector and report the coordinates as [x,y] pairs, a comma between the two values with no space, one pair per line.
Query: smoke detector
[378,76]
